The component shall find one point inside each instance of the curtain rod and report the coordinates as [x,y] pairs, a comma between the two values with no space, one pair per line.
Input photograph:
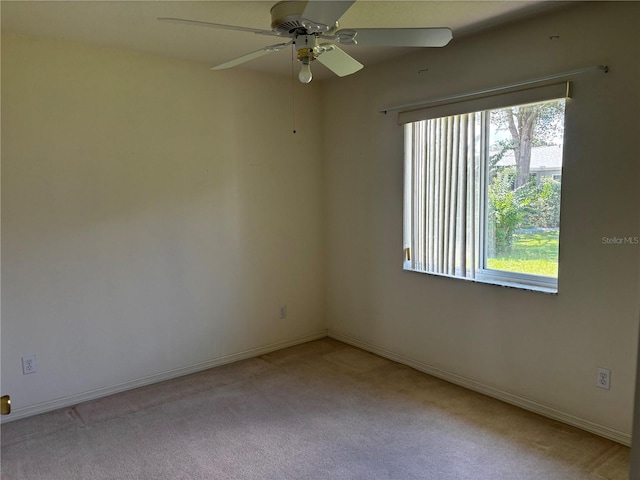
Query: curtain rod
[410,106]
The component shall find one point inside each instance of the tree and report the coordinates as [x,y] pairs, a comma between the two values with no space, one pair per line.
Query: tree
[528,125]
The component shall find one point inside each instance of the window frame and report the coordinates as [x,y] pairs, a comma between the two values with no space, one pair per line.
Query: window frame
[483,274]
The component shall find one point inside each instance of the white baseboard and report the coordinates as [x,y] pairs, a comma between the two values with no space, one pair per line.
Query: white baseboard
[524,403]
[75,399]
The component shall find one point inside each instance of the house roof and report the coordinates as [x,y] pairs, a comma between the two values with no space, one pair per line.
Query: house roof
[542,158]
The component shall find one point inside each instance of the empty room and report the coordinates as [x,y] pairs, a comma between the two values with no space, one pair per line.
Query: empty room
[320,240]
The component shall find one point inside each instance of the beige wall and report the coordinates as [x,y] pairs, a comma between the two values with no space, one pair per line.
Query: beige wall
[154,218]
[540,350]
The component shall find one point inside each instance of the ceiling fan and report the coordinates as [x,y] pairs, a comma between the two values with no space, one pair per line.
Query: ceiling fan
[312,27]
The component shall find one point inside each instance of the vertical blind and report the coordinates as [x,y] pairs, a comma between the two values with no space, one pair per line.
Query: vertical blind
[441,203]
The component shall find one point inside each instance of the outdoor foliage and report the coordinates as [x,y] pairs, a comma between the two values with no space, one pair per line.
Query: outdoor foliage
[529,206]
[506,210]
[543,210]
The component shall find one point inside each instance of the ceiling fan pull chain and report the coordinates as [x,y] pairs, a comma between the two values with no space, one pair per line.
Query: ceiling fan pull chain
[293,88]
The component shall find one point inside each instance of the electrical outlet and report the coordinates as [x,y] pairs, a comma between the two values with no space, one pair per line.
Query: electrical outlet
[604,378]
[28,364]
[283,311]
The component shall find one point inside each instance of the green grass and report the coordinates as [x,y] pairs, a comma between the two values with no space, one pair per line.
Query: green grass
[534,253]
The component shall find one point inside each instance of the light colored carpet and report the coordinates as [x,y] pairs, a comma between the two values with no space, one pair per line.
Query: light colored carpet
[322,410]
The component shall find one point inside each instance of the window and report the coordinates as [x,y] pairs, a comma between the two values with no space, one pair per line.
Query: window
[475,206]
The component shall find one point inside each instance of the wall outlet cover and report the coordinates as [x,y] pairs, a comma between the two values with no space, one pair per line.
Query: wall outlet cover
[28,364]
[604,378]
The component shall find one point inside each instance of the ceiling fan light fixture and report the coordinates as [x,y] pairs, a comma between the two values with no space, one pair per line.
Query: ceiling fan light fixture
[305,74]
[306,56]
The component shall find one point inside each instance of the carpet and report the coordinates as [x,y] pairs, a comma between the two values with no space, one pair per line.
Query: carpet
[321,410]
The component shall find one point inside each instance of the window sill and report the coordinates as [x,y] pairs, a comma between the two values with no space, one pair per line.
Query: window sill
[498,278]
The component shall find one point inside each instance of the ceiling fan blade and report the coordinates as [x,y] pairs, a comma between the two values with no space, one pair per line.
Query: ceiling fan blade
[323,12]
[338,61]
[251,56]
[395,37]
[198,23]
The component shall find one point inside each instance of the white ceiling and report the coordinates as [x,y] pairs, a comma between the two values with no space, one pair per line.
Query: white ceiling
[133,25]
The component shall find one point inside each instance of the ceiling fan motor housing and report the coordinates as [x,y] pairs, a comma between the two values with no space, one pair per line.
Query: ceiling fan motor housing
[286,20]
[285,17]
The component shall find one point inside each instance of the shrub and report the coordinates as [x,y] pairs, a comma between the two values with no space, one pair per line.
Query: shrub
[543,210]
[529,206]
[506,210]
